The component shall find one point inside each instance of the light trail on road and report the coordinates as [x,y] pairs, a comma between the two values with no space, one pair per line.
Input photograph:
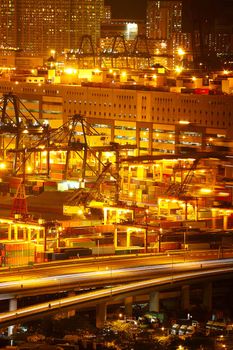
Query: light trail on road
[64,282]
[11,317]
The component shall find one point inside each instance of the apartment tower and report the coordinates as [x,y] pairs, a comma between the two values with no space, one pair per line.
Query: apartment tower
[37,26]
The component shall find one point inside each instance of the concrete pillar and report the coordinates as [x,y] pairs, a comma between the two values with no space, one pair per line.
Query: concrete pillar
[38,235]
[24,234]
[15,233]
[128,236]
[185,297]
[12,307]
[9,232]
[105,217]
[115,238]
[128,306]
[101,314]
[196,210]
[214,214]
[154,301]
[71,313]
[225,221]
[29,233]
[207,295]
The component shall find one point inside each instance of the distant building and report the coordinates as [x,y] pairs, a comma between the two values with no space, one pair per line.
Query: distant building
[39,26]
[8,24]
[163,18]
[107,14]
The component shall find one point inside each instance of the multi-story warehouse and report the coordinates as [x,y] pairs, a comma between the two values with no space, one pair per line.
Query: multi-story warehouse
[39,26]
[149,119]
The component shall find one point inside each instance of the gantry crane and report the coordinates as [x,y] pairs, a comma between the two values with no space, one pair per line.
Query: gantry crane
[180,190]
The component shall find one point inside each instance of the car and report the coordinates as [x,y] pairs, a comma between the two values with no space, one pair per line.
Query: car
[175,329]
[182,329]
[190,330]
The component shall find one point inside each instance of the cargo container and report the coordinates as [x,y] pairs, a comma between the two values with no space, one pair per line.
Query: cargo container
[74,252]
[17,253]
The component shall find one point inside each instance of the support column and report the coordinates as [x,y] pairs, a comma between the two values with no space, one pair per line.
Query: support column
[128,236]
[105,217]
[214,214]
[24,234]
[101,314]
[37,236]
[9,232]
[29,235]
[128,306]
[15,232]
[115,238]
[12,307]
[185,297]
[225,221]
[207,295]
[154,301]
[71,313]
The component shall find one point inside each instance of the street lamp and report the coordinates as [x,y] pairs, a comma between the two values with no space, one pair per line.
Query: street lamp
[172,264]
[146,241]
[160,235]
[98,245]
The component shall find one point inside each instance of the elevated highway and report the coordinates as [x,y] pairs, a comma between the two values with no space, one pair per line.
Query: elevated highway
[172,276]
[73,275]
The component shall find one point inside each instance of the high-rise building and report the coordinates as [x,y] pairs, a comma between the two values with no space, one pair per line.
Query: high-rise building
[8,28]
[210,23]
[37,26]
[107,14]
[164,22]
[163,18]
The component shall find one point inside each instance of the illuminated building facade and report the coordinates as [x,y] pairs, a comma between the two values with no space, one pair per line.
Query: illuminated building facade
[54,24]
[107,14]
[147,119]
[8,29]
[164,22]
[163,18]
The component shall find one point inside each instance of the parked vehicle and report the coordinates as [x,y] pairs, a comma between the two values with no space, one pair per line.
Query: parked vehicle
[182,329]
[175,329]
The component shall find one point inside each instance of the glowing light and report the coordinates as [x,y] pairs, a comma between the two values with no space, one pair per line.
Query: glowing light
[80,212]
[206,190]
[2,166]
[179,69]
[52,52]
[29,169]
[184,122]
[180,51]
[70,70]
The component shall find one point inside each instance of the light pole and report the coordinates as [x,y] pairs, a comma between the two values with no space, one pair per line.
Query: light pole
[160,235]
[172,264]
[146,240]
[98,245]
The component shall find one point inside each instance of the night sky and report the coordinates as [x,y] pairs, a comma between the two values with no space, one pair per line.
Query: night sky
[132,9]
[136,9]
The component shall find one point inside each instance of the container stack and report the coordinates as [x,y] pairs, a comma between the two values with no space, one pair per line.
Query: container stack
[17,253]
[57,171]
